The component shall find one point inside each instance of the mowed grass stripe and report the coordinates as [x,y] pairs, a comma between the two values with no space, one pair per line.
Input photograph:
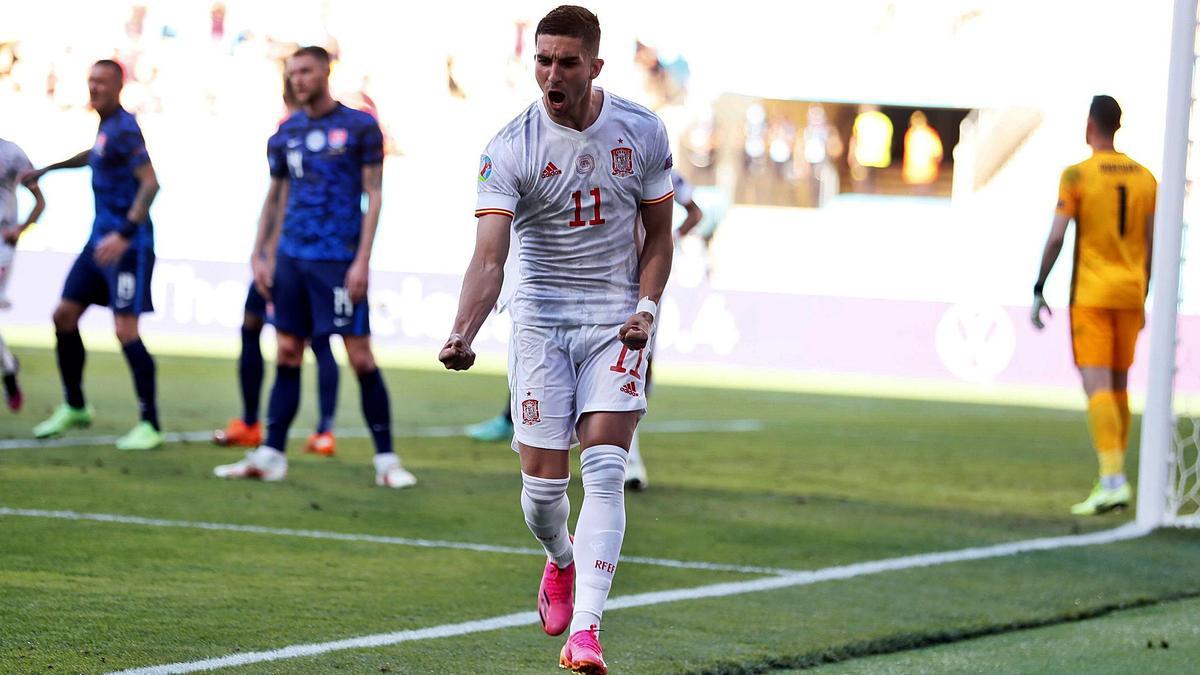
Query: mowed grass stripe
[372,538]
[1123,533]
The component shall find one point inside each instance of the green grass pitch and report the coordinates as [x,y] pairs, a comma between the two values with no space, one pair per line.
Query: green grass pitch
[826,481]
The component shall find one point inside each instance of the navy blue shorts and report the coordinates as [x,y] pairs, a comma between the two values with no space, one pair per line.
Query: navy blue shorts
[256,304]
[125,286]
[310,299]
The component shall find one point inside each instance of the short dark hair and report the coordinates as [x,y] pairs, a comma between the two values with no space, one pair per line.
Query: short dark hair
[1105,114]
[116,68]
[318,53]
[572,21]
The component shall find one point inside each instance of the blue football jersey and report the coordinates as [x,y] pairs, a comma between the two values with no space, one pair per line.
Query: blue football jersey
[323,159]
[119,150]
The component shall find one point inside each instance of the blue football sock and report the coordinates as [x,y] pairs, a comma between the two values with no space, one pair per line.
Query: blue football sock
[281,410]
[142,366]
[71,357]
[377,409]
[327,382]
[250,374]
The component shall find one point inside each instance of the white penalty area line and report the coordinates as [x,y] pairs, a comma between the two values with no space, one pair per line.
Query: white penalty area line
[372,538]
[657,427]
[1130,531]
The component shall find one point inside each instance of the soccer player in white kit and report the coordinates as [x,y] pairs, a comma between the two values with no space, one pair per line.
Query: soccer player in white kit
[570,175]
[13,163]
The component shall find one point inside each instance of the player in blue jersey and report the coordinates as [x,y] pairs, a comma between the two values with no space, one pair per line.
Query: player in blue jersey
[247,430]
[317,276]
[116,263]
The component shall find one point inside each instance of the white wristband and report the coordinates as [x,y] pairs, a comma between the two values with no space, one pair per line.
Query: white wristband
[648,306]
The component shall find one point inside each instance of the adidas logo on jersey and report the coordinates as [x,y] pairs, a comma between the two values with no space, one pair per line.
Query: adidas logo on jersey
[550,171]
[630,388]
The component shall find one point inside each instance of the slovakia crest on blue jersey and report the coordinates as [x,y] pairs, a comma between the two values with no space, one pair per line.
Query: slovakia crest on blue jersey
[338,138]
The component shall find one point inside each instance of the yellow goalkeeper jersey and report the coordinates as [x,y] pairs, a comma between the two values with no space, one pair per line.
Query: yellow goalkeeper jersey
[1111,198]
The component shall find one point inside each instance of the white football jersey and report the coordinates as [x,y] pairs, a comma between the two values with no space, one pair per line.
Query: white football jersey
[683,189]
[574,197]
[12,162]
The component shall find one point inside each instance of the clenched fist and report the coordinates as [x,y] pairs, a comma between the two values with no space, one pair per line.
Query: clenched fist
[457,354]
[636,331]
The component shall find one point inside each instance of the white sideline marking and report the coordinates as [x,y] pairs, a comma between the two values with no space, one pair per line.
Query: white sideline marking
[1130,531]
[660,427]
[372,538]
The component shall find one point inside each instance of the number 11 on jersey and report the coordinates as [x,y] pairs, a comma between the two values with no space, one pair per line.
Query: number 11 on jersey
[596,219]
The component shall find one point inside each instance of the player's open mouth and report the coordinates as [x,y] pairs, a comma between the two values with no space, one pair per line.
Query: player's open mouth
[557,99]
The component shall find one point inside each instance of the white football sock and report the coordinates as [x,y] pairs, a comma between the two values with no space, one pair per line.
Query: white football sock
[598,532]
[546,507]
[635,453]
[8,363]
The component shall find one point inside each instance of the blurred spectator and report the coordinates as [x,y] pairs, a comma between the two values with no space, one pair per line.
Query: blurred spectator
[922,153]
[870,146]
[821,148]
[781,137]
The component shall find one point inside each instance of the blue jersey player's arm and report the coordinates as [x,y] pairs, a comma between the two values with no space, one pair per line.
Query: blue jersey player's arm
[266,241]
[113,245]
[372,180]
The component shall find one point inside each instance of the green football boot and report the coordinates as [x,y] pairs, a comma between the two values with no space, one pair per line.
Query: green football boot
[142,437]
[498,428]
[64,418]
[1103,500]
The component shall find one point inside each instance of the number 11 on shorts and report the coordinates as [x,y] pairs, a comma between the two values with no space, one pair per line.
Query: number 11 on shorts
[620,365]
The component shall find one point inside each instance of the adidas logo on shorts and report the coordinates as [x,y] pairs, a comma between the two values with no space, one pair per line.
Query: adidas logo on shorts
[550,171]
[630,388]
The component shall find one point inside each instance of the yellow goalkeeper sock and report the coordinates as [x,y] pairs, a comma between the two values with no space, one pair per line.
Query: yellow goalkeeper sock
[1104,420]
[1122,399]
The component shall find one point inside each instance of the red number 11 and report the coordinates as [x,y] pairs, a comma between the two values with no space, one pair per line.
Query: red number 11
[596,219]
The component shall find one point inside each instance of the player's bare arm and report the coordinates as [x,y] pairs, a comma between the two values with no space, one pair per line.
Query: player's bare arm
[266,240]
[113,245]
[655,268]
[481,287]
[1054,244]
[692,219]
[76,162]
[359,272]
[13,233]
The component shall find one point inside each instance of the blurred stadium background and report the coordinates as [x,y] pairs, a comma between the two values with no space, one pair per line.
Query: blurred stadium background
[815,276]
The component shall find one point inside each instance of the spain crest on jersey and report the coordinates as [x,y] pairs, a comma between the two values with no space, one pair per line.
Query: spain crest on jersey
[529,412]
[622,162]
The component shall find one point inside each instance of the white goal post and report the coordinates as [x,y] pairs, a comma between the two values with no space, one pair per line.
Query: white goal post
[1168,493]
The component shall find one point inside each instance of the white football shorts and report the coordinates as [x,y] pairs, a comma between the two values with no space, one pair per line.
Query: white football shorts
[556,374]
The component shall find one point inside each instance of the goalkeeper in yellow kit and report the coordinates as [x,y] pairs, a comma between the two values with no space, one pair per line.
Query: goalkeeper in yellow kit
[1111,199]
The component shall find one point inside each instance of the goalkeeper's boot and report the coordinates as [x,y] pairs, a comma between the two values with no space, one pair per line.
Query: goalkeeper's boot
[63,419]
[142,437]
[1103,500]
[237,432]
[498,428]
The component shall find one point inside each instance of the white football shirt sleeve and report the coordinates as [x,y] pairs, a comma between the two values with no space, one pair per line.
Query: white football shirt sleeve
[683,189]
[656,173]
[499,181]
